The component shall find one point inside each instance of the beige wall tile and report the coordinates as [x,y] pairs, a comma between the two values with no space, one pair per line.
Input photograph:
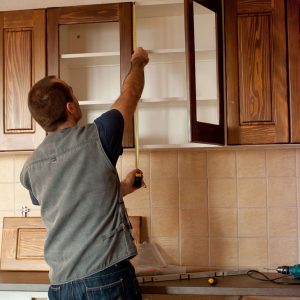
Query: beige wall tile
[253,252]
[139,198]
[6,169]
[224,252]
[164,222]
[168,247]
[221,163]
[252,222]
[193,194]
[251,163]
[252,192]
[222,222]
[282,191]
[7,196]
[281,162]
[298,191]
[278,248]
[193,223]
[163,164]
[194,252]
[283,222]
[183,184]
[222,192]
[298,162]
[165,192]
[192,164]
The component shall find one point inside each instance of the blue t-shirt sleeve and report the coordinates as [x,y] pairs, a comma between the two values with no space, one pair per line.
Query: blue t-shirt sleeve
[110,127]
[33,199]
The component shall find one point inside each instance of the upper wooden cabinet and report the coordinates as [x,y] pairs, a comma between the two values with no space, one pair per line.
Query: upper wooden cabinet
[293,25]
[22,63]
[90,48]
[256,71]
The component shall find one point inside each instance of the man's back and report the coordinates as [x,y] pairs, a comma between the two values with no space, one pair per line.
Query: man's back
[81,204]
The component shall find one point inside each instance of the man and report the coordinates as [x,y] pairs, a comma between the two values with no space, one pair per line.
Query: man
[72,176]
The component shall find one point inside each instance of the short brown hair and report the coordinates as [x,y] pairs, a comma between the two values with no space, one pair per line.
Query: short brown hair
[47,101]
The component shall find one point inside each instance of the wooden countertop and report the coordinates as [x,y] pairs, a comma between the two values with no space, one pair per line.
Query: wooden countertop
[239,285]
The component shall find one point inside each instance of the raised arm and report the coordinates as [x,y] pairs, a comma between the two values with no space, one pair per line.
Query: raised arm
[133,85]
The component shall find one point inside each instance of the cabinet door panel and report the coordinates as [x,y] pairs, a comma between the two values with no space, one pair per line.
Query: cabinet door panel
[254,68]
[293,19]
[17,80]
[22,52]
[257,104]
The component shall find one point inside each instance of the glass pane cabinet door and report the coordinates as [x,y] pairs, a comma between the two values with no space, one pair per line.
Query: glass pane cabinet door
[204,52]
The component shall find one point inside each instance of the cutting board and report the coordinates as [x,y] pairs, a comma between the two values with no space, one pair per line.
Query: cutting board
[23,243]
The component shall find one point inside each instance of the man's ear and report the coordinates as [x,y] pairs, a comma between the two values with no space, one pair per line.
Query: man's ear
[70,107]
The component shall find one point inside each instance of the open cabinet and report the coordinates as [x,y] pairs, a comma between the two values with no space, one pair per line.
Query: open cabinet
[183,97]
[90,48]
[163,108]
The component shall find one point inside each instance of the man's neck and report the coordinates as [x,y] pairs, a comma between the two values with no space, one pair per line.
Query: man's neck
[67,124]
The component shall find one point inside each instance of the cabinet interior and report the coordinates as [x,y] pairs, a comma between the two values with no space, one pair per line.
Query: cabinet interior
[90,63]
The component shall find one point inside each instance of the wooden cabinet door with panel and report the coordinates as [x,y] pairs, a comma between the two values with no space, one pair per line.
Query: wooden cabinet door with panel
[256,72]
[22,63]
[90,48]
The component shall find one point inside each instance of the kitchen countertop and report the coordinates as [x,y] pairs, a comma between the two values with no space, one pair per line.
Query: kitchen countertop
[238,285]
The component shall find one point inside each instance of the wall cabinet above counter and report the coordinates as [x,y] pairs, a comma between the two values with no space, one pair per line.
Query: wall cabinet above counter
[22,62]
[263,98]
[204,56]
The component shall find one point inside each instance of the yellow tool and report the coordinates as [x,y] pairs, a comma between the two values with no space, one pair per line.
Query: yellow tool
[138,181]
[212,280]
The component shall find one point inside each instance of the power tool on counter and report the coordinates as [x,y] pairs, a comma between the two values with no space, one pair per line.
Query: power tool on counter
[290,270]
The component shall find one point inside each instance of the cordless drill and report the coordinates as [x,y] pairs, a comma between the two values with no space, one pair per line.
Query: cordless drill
[290,270]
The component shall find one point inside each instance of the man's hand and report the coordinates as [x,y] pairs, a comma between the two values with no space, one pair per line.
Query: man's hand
[127,186]
[140,56]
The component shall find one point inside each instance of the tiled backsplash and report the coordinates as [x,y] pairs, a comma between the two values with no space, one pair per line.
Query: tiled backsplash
[205,209]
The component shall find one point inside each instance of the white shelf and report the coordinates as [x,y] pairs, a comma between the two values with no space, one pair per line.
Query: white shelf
[163,100]
[154,101]
[96,102]
[171,100]
[209,99]
[86,55]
